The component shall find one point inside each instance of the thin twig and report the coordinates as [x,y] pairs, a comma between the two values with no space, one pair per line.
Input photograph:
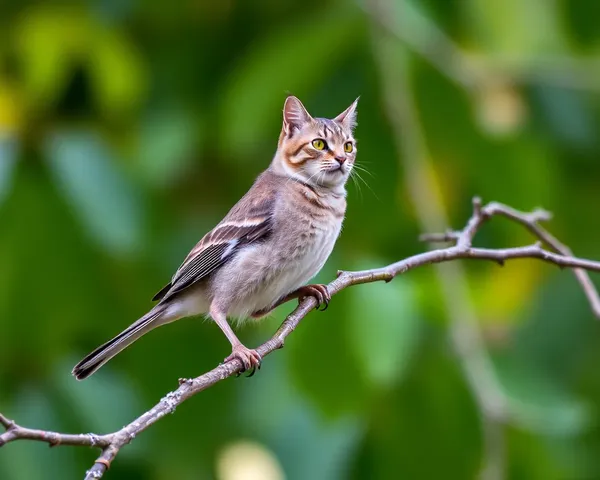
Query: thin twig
[530,222]
[16,432]
[112,443]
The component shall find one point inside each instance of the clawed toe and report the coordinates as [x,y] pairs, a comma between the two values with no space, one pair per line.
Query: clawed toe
[250,359]
[320,293]
[326,297]
[253,371]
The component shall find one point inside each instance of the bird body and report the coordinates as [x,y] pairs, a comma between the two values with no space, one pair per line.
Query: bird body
[302,238]
[304,232]
[274,240]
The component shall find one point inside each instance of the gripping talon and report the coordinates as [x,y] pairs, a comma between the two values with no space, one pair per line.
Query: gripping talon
[319,292]
[326,297]
[250,359]
[319,297]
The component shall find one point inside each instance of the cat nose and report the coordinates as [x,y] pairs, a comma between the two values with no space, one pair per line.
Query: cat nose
[340,159]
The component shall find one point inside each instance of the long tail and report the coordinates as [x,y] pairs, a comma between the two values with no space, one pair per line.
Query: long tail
[104,353]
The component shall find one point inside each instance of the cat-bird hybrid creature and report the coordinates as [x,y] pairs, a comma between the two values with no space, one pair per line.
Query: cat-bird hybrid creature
[273,241]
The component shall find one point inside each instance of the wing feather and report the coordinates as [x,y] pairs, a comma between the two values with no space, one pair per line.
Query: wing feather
[249,221]
[214,250]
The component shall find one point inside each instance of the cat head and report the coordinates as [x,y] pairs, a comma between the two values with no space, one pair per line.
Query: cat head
[317,151]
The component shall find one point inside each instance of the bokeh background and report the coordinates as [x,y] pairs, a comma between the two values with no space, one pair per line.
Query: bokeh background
[128,128]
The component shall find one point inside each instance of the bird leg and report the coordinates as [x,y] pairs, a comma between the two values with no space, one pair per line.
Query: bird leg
[250,358]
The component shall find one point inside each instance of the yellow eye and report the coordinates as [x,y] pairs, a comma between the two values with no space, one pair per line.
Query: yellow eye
[318,144]
[348,147]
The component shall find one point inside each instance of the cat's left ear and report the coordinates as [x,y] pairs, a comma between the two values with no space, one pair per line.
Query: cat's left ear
[348,117]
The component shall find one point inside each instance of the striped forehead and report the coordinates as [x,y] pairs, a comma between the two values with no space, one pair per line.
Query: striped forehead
[329,128]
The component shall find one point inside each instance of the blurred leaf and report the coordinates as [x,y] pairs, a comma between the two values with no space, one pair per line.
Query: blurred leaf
[428,427]
[580,19]
[11,109]
[515,28]
[106,202]
[538,403]
[70,286]
[53,40]
[384,329]
[8,158]
[502,294]
[287,60]
[48,38]
[167,141]
[531,459]
[557,327]
[568,114]
[319,450]
[116,71]
[537,372]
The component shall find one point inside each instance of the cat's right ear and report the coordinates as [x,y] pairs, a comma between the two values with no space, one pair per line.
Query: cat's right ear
[294,115]
[348,117]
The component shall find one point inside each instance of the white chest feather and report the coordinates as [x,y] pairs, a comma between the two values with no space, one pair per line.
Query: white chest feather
[309,258]
[296,264]
[267,272]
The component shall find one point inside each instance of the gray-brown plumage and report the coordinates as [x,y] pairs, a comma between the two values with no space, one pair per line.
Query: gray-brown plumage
[273,241]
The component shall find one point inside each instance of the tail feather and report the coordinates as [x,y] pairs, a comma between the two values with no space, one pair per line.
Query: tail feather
[94,360]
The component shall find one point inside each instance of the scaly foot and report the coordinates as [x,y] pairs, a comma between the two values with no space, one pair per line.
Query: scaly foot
[319,292]
[250,358]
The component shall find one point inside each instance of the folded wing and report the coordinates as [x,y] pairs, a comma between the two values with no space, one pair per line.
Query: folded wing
[215,249]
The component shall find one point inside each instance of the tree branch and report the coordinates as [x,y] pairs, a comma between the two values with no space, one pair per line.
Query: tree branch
[111,443]
[530,221]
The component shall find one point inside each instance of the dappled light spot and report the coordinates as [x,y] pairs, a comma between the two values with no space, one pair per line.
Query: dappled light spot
[248,460]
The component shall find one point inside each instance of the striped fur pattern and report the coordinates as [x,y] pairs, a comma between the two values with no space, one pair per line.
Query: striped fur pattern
[273,241]
[297,156]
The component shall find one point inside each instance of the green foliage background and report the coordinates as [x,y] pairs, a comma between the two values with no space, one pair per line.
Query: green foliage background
[128,128]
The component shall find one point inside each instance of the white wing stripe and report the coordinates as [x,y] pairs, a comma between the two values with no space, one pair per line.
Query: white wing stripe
[247,222]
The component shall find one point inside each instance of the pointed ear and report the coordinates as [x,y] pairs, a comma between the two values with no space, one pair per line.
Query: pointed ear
[294,114]
[348,117]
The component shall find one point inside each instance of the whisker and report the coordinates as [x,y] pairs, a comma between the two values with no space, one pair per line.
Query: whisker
[363,162]
[355,172]
[357,185]
[363,169]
